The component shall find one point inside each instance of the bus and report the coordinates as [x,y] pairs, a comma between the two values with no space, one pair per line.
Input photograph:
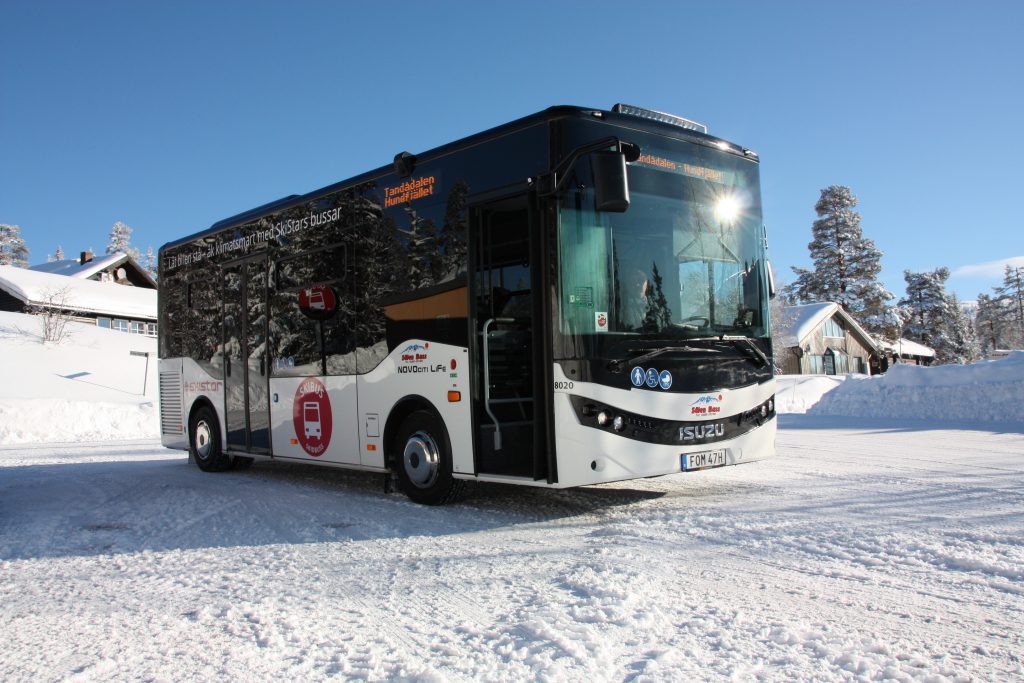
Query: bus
[577,297]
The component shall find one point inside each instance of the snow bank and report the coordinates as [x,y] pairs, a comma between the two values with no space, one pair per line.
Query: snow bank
[990,391]
[798,393]
[92,386]
[35,420]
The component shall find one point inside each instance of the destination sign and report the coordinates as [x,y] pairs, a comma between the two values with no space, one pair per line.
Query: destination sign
[661,163]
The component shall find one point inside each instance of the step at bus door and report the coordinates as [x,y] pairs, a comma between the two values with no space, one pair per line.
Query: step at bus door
[503,301]
[246,373]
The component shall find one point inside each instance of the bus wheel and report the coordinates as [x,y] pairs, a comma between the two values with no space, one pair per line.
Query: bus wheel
[204,441]
[423,461]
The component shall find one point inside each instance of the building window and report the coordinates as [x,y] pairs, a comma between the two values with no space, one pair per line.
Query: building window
[842,363]
[815,365]
[832,329]
[119,325]
[103,322]
[150,329]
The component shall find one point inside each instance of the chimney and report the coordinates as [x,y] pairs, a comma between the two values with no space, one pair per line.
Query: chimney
[86,257]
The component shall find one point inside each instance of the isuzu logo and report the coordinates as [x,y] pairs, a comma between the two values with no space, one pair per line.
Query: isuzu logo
[701,431]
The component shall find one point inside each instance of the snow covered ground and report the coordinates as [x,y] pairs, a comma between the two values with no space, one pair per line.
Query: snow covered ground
[868,549]
[91,387]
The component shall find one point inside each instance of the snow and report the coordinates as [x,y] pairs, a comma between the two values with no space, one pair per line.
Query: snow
[906,347]
[799,321]
[798,393]
[867,549]
[88,388]
[988,391]
[76,269]
[105,298]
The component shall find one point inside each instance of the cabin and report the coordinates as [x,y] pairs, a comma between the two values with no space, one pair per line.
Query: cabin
[822,339]
[105,304]
[907,352]
[119,268]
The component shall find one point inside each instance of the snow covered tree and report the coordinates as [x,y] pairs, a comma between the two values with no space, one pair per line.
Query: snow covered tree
[120,240]
[846,264]
[964,346]
[935,318]
[13,251]
[150,264]
[658,315]
[989,323]
[420,249]
[1011,297]
[782,319]
[59,256]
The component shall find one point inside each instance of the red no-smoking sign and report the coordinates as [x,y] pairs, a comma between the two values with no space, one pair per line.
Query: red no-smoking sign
[311,415]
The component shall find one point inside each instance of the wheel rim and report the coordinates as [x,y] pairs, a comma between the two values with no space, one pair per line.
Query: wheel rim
[204,440]
[421,460]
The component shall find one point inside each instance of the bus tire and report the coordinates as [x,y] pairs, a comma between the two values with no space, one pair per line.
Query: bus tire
[422,460]
[204,441]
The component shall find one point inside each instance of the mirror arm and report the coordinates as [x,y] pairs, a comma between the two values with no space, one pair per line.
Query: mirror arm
[553,180]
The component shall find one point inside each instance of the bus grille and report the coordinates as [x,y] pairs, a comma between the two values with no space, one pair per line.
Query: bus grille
[170,403]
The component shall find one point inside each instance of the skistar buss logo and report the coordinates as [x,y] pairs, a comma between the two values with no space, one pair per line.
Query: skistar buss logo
[706,405]
[412,353]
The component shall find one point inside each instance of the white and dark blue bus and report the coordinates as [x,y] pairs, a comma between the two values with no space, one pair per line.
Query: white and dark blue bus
[576,297]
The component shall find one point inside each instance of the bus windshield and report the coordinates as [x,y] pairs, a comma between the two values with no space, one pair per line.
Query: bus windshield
[686,260]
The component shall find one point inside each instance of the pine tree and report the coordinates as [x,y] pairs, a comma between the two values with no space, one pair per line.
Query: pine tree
[935,318]
[659,315]
[120,241]
[963,340]
[150,264]
[421,250]
[13,250]
[59,256]
[989,323]
[1011,297]
[452,239]
[846,264]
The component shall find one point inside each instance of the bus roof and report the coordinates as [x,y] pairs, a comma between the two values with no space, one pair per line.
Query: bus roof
[629,120]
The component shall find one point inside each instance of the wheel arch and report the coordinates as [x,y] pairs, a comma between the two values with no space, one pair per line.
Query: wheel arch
[403,408]
[197,404]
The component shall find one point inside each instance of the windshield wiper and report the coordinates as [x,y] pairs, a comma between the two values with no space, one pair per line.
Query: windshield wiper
[616,364]
[747,345]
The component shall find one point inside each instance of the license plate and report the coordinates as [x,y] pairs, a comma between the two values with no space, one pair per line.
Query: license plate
[703,460]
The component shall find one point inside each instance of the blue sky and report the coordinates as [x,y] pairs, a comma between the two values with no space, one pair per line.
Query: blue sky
[172,115]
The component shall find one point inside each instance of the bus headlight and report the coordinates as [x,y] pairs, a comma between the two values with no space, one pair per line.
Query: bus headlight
[618,424]
[602,418]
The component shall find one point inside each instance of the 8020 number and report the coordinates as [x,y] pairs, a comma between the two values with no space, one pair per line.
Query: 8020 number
[563,386]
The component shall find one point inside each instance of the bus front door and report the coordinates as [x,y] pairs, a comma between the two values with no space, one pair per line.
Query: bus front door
[247,409]
[508,423]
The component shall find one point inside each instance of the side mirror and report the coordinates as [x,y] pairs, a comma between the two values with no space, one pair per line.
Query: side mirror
[611,186]
[771,280]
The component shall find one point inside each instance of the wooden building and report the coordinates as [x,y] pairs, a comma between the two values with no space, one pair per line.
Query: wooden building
[822,339]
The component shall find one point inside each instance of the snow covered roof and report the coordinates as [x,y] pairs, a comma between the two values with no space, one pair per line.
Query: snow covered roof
[105,298]
[905,347]
[799,321]
[77,269]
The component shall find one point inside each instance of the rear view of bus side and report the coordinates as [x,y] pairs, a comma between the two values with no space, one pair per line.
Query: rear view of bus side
[579,296]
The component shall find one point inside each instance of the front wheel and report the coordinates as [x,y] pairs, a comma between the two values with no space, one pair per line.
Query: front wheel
[204,441]
[422,459]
